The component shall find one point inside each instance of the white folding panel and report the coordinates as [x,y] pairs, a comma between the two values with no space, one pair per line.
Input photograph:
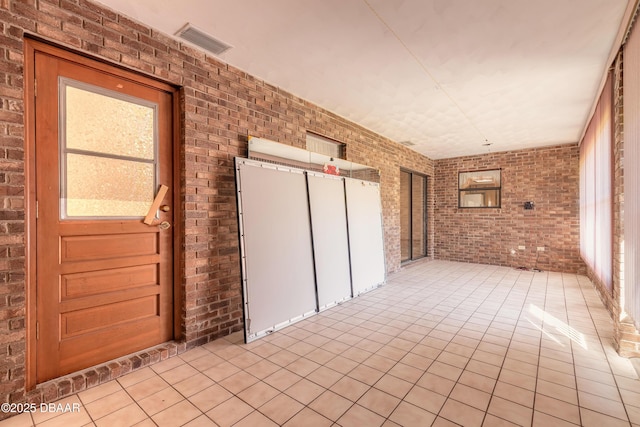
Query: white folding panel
[330,240]
[366,241]
[278,272]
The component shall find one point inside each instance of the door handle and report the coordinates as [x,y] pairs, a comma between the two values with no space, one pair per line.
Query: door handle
[156,204]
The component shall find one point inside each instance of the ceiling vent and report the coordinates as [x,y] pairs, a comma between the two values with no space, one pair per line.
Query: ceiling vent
[407,143]
[202,39]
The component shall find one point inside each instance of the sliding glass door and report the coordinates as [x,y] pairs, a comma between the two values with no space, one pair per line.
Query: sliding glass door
[413,215]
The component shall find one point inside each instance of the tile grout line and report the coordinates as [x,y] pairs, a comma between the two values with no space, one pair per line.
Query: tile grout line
[588,307]
[535,392]
[476,347]
[546,299]
[573,359]
[466,317]
[510,341]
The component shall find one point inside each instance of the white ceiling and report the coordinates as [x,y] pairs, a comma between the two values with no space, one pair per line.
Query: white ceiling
[446,75]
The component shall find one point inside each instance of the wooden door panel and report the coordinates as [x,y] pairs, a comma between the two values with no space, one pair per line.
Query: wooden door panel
[85,284]
[104,285]
[79,352]
[82,321]
[95,247]
[111,298]
[88,227]
[95,265]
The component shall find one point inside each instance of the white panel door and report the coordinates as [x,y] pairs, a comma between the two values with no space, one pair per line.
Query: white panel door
[277,254]
[364,216]
[330,240]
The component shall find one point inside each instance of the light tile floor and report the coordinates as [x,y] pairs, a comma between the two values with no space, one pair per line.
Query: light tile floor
[441,344]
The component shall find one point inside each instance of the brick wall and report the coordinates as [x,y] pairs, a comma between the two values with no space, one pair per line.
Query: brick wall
[548,177]
[220,106]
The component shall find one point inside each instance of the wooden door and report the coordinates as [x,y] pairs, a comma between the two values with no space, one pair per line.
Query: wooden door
[103,148]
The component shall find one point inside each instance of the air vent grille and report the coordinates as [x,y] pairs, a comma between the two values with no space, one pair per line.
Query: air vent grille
[407,143]
[203,40]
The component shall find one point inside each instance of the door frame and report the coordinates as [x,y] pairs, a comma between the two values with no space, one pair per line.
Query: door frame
[425,211]
[31,46]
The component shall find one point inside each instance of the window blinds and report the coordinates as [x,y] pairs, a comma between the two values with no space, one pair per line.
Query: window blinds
[596,203]
[631,88]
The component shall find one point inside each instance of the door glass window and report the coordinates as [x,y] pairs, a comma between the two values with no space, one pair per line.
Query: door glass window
[405,215]
[413,216]
[418,216]
[108,153]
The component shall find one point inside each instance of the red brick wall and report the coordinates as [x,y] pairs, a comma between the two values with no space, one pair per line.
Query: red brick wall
[546,176]
[220,106]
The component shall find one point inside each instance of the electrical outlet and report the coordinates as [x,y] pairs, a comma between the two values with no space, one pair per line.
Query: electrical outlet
[521,247]
[540,248]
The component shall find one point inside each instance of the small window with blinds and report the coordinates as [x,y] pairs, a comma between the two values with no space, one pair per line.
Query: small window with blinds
[479,189]
[328,147]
